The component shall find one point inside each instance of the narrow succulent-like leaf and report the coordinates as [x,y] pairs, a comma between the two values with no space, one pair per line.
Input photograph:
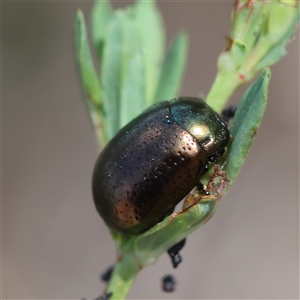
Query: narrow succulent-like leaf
[133,91]
[123,73]
[89,79]
[150,245]
[111,74]
[172,69]
[100,16]
[84,60]
[246,122]
[149,22]
[242,12]
[279,19]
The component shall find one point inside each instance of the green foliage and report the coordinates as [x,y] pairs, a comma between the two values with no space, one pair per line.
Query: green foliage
[135,73]
[245,124]
[172,69]
[130,46]
[122,73]
[150,25]
[260,31]
[100,17]
[89,80]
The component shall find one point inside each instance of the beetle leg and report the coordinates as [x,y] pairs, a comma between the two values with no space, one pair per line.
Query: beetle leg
[106,296]
[223,151]
[174,253]
[205,169]
[228,113]
[199,185]
[201,188]
[217,159]
[106,275]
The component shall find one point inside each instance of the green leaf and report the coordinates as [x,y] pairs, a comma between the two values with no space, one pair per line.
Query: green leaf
[100,16]
[84,61]
[133,93]
[123,73]
[172,69]
[242,12]
[150,245]
[150,25]
[278,17]
[89,79]
[111,75]
[246,122]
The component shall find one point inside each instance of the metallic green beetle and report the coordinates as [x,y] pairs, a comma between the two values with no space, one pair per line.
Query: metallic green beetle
[155,161]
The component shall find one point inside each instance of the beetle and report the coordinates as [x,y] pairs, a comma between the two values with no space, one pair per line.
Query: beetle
[154,161]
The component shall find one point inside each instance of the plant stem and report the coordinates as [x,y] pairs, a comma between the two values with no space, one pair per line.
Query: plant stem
[124,274]
[224,86]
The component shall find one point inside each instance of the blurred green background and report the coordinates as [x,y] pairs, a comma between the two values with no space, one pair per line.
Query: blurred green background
[54,243]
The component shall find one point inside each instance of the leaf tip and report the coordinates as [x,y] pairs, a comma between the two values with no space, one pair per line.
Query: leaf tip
[266,73]
[79,13]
